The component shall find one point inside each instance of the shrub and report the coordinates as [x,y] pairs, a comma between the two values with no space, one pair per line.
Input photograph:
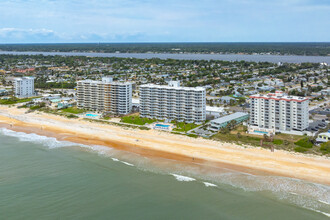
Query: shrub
[325,148]
[193,135]
[73,110]
[304,142]
[300,149]
[278,142]
[72,116]
[144,128]
[136,120]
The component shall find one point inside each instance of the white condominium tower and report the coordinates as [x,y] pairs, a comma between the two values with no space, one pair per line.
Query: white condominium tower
[105,95]
[278,112]
[24,87]
[173,102]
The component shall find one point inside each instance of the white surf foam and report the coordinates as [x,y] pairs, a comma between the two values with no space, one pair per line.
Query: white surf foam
[51,142]
[183,178]
[128,164]
[324,202]
[46,141]
[124,162]
[209,184]
[324,213]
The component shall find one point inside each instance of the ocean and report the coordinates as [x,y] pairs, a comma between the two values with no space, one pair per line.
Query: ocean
[43,178]
[188,56]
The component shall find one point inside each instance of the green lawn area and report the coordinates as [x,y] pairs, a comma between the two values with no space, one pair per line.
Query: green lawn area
[137,120]
[183,127]
[73,110]
[12,101]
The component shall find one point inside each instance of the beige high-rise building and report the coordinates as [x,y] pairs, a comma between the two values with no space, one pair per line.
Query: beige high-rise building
[24,87]
[278,112]
[173,102]
[105,96]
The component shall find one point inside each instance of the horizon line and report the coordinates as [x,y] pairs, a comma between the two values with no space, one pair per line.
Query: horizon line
[178,42]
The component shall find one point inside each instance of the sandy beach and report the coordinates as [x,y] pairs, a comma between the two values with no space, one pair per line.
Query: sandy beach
[161,144]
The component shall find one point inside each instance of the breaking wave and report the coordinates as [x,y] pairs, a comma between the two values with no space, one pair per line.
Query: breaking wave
[182,178]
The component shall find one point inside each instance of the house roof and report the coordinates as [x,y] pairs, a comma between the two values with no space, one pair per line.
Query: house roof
[229,117]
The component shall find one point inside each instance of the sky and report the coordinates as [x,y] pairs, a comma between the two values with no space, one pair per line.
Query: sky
[83,21]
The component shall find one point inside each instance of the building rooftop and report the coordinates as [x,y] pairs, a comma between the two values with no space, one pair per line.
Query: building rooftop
[325,134]
[173,87]
[278,95]
[214,109]
[22,78]
[103,82]
[229,117]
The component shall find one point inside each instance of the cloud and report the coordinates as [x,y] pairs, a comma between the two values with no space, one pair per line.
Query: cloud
[169,20]
[19,35]
[12,35]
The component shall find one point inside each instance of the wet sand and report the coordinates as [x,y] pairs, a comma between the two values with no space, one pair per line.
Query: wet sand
[174,147]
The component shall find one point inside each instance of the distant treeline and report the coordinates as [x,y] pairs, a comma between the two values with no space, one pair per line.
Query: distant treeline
[309,49]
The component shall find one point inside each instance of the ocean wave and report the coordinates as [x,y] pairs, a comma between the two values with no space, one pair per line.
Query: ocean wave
[182,178]
[124,162]
[128,164]
[46,141]
[51,142]
[327,203]
[324,213]
[207,184]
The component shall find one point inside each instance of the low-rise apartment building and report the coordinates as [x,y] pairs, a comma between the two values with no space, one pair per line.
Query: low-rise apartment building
[173,102]
[105,96]
[238,117]
[278,112]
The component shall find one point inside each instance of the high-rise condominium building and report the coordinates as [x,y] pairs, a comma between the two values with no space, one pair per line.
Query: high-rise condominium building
[173,102]
[24,87]
[105,96]
[278,112]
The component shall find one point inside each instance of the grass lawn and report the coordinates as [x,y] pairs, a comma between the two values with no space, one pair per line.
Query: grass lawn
[183,127]
[73,110]
[137,120]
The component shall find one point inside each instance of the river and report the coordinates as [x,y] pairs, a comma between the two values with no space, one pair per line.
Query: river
[225,57]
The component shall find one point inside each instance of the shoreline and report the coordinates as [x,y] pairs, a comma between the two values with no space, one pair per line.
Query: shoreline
[155,144]
[139,150]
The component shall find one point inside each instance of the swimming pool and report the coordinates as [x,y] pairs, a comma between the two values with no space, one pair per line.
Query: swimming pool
[163,126]
[92,115]
[261,132]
